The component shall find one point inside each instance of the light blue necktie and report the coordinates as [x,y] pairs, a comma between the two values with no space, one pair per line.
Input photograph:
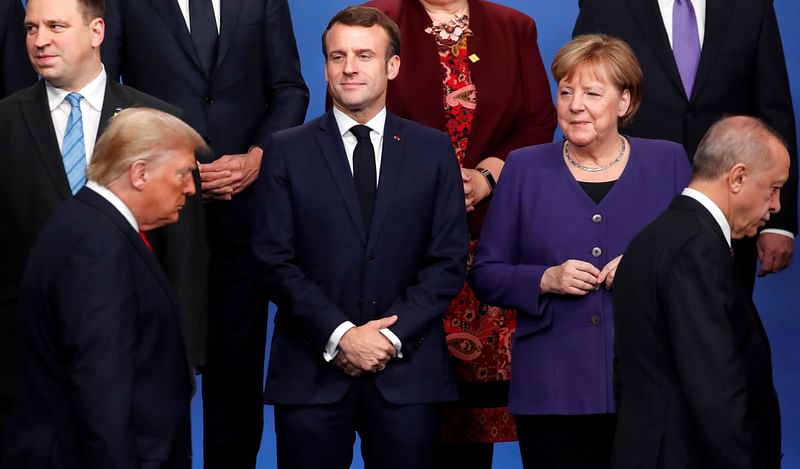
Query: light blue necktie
[685,43]
[73,150]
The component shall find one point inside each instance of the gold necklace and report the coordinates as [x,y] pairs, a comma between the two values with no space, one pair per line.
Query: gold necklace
[595,169]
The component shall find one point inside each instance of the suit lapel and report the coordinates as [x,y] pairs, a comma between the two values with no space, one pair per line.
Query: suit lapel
[684,202]
[648,18]
[114,101]
[170,13]
[391,164]
[228,18]
[330,143]
[717,22]
[36,112]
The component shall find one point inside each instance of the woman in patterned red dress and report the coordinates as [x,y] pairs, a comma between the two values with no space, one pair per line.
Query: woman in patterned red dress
[473,69]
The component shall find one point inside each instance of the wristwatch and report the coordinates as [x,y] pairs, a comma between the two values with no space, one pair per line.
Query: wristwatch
[489,178]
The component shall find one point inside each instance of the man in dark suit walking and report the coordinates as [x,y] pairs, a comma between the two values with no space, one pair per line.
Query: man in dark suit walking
[693,361]
[703,60]
[363,235]
[40,172]
[232,67]
[15,71]
[102,375]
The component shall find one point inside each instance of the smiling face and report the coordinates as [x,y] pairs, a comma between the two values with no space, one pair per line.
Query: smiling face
[168,182]
[62,46]
[589,106]
[357,69]
[756,193]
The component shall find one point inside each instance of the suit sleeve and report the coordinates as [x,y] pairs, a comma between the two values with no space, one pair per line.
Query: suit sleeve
[587,22]
[698,303]
[537,122]
[773,104]
[111,49]
[15,69]
[287,94]
[497,275]
[273,231]
[442,276]
[97,300]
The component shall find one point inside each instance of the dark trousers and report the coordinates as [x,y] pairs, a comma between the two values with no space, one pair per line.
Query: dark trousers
[233,377]
[566,441]
[465,455]
[322,436]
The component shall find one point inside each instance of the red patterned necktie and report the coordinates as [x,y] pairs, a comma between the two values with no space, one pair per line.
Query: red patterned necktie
[144,239]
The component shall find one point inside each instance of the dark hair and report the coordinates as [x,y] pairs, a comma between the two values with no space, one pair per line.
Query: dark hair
[600,51]
[91,9]
[366,17]
[733,140]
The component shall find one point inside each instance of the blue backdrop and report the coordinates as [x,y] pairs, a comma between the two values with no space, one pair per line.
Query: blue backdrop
[776,296]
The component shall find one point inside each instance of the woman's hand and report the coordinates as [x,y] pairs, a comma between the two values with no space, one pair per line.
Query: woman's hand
[573,277]
[476,187]
[609,272]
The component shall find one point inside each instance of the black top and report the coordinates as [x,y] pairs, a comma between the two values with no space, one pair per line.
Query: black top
[597,190]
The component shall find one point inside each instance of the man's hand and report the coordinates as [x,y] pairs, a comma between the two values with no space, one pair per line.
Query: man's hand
[364,348]
[230,174]
[774,251]
[342,362]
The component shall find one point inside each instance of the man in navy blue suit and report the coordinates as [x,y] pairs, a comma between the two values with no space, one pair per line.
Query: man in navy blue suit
[363,236]
[232,67]
[102,377]
[15,70]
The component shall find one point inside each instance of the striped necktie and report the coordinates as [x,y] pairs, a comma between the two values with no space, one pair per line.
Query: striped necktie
[73,150]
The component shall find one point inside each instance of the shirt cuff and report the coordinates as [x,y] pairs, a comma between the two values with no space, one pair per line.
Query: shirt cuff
[779,231]
[332,347]
[398,346]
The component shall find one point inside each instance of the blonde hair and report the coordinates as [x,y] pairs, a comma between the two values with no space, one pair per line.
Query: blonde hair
[602,52]
[139,134]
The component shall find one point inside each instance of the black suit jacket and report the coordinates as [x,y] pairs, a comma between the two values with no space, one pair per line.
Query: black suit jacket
[102,379]
[33,184]
[325,267]
[742,71]
[694,369]
[255,88]
[15,69]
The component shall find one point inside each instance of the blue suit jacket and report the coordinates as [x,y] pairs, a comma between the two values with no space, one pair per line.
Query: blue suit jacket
[102,376]
[325,267]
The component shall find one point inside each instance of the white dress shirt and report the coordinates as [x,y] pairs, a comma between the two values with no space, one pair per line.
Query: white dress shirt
[184,6]
[376,125]
[112,198]
[92,97]
[713,209]
[699,12]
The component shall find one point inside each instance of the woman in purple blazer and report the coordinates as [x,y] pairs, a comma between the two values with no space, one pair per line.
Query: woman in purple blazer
[550,245]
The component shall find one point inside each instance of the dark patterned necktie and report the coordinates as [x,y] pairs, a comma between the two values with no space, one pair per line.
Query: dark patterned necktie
[204,32]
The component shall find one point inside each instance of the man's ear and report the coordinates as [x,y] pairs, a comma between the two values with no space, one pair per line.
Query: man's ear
[138,174]
[393,67]
[736,177]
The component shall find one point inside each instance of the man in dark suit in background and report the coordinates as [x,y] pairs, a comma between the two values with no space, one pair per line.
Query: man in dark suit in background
[232,67]
[102,375]
[693,361]
[361,276]
[702,60]
[40,172]
[15,71]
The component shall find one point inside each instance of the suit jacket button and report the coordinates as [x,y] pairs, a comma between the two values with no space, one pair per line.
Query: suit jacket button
[209,100]
[595,320]
[597,252]
[370,260]
[597,218]
[374,302]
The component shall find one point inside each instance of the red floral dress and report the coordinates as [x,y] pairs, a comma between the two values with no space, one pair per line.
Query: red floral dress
[478,335]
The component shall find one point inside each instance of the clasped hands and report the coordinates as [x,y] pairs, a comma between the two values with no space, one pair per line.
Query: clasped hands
[575,277]
[229,174]
[364,349]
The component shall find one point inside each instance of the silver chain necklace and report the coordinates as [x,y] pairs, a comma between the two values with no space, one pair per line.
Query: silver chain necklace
[595,169]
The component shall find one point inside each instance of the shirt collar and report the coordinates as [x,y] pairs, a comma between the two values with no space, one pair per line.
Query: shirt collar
[345,122]
[713,208]
[94,92]
[112,198]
